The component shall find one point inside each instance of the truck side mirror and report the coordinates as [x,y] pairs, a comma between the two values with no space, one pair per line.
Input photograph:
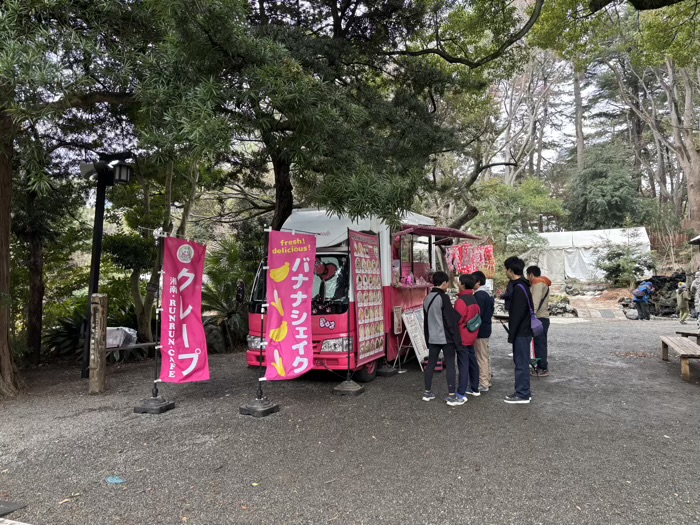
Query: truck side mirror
[240,292]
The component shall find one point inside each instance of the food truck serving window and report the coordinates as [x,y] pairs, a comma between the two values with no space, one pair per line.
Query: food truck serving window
[331,284]
[330,292]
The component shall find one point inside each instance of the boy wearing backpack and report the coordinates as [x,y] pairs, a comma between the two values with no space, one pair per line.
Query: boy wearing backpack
[470,321]
[539,286]
[520,329]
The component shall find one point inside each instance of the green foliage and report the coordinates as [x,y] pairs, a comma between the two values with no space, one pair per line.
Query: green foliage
[65,338]
[510,214]
[604,194]
[623,264]
[670,33]
[130,251]
[226,269]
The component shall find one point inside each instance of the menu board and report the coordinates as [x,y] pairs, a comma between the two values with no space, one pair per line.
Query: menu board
[369,308]
[413,321]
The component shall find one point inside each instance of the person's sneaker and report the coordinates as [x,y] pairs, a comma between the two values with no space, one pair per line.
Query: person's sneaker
[471,392]
[542,373]
[483,389]
[428,395]
[514,399]
[455,400]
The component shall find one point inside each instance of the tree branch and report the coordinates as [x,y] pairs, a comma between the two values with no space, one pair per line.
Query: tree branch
[89,99]
[639,5]
[473,64]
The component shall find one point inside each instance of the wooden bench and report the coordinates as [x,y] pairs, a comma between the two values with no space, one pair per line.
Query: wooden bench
[690,333]
[685,348]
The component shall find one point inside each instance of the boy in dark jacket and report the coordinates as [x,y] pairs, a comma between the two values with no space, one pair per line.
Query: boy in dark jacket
[481,345]
[519,330]
[467,307]
[441,334]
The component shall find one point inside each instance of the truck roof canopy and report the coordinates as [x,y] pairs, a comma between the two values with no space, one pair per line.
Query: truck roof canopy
[332,230]
[437,231]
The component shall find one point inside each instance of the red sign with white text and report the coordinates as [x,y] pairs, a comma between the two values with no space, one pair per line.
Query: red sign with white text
[183,341]
[290,280]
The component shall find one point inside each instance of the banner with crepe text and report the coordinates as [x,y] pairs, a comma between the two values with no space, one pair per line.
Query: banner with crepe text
[183,341]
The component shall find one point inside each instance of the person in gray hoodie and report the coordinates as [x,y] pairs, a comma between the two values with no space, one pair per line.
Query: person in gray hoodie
[441,335]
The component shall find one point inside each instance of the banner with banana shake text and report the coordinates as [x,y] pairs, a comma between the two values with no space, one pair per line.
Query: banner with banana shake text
[290,280]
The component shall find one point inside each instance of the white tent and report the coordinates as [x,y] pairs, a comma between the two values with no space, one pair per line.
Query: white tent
[573,255]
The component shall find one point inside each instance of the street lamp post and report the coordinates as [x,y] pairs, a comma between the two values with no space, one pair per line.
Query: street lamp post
[107,175]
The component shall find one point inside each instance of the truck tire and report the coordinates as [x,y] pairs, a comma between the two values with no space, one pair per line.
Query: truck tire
[367,373]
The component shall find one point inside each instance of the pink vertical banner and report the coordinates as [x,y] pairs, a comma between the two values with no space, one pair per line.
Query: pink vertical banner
[290,280]
[182,338]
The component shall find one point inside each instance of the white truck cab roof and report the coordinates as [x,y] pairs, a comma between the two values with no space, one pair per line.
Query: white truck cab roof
[332,230]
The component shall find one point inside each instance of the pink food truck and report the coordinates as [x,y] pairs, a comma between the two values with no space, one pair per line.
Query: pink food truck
[407,257]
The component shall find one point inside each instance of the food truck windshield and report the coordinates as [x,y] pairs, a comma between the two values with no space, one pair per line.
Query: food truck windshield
[330,292]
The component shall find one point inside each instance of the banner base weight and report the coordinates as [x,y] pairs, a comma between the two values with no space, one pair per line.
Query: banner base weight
[348,388]
[259,408]
[154,405]
[387,371]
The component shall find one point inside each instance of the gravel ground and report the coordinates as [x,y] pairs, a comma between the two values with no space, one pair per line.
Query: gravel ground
[611,437]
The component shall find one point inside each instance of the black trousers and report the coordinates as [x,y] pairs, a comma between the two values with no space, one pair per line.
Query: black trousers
[643,310]
[468,369]
[449,351]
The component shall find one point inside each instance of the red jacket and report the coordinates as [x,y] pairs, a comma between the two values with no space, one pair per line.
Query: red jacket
[467,312]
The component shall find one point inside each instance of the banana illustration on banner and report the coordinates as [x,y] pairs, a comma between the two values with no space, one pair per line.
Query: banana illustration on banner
[278,365]
[280,274]
[277,303]
[280,334]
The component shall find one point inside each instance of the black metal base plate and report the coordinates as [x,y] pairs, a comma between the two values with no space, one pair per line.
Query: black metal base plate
[387,371]
[259,408]
[7,507]
[348,388]
[154,405]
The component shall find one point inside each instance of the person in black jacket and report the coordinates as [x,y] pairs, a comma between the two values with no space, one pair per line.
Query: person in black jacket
[441,335]
[519,330]
[481,346]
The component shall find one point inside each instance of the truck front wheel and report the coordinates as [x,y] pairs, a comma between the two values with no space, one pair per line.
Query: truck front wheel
[367,373]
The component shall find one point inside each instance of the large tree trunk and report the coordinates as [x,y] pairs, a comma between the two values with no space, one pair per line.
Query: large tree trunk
[144,305]
[144,313]
[187,208]
[284,199]
[540,141]
[470,211]
[578,102]
[36,296]
[9,383]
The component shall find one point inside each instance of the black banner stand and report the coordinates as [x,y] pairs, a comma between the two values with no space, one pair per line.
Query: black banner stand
[349,387]
[156,404]
[261,406]
[386,370]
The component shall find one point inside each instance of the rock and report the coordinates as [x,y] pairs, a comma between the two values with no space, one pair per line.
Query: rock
[632,315]
[561,309]
[570,290]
